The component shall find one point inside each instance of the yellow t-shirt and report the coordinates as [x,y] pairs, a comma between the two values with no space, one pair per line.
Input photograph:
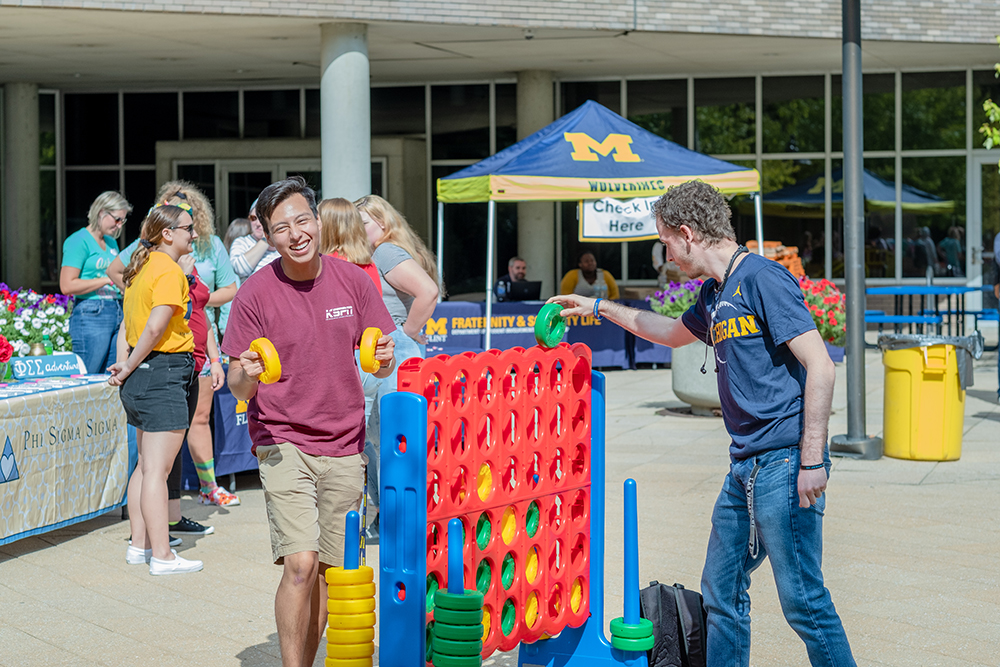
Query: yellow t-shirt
[160,282]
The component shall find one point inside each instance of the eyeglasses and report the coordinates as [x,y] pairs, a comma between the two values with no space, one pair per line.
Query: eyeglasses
[120,221]
[186,228]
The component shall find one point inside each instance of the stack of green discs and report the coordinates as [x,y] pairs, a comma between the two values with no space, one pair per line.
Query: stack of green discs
[629,637]
[457,632]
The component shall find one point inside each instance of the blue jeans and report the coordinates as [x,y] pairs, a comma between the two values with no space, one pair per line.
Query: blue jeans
[93,326]
[375,389]
[792,538]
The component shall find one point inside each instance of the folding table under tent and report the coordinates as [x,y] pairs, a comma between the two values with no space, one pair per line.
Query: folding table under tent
[807,198]
[590,153]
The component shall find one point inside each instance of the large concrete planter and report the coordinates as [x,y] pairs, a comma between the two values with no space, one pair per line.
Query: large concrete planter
[699,390]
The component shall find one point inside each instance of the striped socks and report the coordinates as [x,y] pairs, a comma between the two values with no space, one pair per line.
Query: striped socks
[206,475]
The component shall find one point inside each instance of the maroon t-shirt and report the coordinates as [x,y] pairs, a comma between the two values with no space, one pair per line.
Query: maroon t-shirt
[198,323]
[318,404]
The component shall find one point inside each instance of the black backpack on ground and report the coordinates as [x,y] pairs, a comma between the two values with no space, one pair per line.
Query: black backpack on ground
[679,625]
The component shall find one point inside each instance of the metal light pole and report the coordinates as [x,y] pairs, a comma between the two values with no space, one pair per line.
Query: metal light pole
[856,443]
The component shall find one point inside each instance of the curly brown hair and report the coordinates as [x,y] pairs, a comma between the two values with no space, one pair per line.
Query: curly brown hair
[699,206]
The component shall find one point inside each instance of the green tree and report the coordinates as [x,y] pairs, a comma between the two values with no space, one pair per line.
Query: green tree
[991,128]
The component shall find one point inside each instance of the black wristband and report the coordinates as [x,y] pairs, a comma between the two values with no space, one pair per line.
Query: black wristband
[815,467]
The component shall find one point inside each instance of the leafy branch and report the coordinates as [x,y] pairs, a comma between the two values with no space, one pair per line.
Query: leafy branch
[991,128]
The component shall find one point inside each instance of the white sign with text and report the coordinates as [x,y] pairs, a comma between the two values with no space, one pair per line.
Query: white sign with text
[613,220]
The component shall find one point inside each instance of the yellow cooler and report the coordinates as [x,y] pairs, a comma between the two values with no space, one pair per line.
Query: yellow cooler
[924,404]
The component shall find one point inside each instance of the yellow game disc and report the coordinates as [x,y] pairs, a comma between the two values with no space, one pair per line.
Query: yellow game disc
[349,636]
[369,339]
[348,662]
[362,606]
[346,651]
[351,592]
[351,621]
[336,576]
[269,356]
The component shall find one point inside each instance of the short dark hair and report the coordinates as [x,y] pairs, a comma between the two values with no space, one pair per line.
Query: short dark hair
[699,206]
[278,192]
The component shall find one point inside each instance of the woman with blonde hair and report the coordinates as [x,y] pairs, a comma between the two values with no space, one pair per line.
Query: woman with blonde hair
[342,235]
[211,259]
[410,290]
[155,372]
[87,254]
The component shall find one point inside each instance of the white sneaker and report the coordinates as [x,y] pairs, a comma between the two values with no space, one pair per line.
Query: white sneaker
[176,566]
[137,556]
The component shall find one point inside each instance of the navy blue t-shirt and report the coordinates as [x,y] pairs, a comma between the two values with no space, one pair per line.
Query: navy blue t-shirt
[761,383]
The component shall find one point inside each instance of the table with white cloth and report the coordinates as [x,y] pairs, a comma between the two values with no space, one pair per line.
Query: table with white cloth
[66,453]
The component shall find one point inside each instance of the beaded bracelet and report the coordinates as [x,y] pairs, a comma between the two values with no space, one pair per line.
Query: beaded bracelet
[815,467]
[597,303]
[217,360]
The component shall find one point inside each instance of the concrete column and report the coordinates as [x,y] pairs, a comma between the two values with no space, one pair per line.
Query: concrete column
[536,226]
[22,245]
[345,110]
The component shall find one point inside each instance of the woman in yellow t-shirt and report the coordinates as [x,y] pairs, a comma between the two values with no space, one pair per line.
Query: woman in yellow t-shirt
[155,372]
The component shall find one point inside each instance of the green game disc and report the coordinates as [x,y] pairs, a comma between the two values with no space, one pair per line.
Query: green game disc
[432,588]
[508,568]
[623,644]
[455,647]
[484,574]
[508,617]
[462,633]
[531,519]
[452,617]
[430,641]
[619,628]
[550,325]
[483,532]
[468,601]
[457,660]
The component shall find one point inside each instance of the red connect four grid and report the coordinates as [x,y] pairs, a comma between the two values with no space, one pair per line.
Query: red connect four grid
[508,453]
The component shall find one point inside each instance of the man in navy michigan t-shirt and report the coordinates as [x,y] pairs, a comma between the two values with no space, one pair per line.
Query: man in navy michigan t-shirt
[776,385]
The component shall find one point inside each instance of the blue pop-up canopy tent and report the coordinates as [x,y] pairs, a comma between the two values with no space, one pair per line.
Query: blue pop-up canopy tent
[590,153]
[806,198]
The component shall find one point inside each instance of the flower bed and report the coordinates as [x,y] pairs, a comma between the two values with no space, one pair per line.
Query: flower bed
[26,316]
[675,298]
[828,307]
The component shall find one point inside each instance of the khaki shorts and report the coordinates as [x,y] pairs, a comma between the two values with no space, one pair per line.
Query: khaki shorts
[308,498]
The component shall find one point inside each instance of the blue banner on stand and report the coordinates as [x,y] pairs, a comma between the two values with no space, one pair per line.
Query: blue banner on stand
[62,364]
[455,327]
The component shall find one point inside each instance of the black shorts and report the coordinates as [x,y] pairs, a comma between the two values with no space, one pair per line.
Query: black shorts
[162,393]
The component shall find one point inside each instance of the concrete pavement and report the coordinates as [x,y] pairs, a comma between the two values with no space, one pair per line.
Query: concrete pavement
[912,552]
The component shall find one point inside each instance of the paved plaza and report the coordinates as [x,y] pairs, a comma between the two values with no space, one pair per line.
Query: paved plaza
[912,554]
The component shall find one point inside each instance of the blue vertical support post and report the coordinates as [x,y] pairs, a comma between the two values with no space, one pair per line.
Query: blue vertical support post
[631,555]
[456,571]
[403,530]
[352,541]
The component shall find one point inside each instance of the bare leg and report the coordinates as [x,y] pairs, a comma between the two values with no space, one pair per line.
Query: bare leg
[137,525]
[174,509]
[200,435]
[293,608]
[159,451]
[317,617]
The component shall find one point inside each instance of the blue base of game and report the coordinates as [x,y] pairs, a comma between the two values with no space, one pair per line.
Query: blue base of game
[577,647]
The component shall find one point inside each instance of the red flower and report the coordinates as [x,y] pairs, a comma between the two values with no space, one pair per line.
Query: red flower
[6,350]
[12,307]
[833,320]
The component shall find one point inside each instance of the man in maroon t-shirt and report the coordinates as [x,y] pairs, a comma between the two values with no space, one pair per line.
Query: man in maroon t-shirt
[308,429]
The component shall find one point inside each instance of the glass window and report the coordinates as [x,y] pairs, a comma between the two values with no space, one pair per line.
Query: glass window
[724,116]
[934,110]
[50,249]
[465,236]
[792,224]
[506,105]
[270,113]
[880,222]
[398,110]
[640,260]
[312,112]
[794,109]
[605,93]
[460,121]
[990,201]
[140,189]
[91,129]
[743,219]
[82,188]
[47,129]
[661,108]
[211,115]
[608,255]
[879,109]
[934,231]
[149,117]
[203,176]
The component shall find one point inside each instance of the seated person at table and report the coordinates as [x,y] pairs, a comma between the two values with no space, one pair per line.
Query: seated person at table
[588,280]
[517,270]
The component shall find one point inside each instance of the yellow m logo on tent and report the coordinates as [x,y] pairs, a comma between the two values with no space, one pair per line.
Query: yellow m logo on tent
[437,327]
[586,148]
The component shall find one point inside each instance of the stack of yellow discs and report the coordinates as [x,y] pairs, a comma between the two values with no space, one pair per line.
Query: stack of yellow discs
[351,623]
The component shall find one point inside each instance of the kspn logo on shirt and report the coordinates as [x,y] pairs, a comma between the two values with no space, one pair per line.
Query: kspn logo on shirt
[337,313]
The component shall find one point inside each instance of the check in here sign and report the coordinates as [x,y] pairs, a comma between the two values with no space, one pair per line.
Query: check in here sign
[611,220]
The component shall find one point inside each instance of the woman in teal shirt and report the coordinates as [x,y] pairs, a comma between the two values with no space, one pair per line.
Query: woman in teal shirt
[87,253]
